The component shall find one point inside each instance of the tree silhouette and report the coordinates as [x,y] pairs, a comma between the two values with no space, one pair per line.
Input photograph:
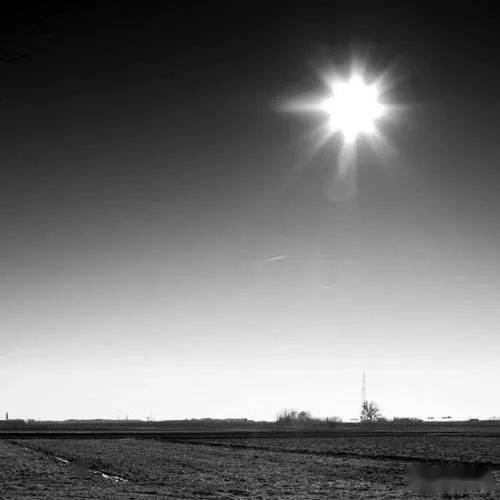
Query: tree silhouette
[370,411]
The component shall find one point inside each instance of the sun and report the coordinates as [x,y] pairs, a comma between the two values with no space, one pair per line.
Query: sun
[354,104]
[353,107]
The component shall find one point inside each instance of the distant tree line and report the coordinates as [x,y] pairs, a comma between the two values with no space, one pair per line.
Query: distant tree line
[294,418]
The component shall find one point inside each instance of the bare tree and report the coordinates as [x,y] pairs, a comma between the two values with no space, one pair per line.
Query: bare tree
[370,412]
[286,416]
[294,417]
[304,416]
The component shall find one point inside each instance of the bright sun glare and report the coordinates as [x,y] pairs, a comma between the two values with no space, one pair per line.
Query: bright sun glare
[353,108]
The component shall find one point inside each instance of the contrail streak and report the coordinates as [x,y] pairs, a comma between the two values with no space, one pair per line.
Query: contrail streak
[273,259]
[13,354]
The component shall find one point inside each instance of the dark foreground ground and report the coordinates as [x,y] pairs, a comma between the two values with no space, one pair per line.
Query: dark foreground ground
[356,466]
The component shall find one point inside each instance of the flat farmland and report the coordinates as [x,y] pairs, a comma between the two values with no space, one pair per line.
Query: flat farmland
[27,474]
[431,447]
[322,467]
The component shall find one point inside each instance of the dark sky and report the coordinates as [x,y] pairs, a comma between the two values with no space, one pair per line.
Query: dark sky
[146,179]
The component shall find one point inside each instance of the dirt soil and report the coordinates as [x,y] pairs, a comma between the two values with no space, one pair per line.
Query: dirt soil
[52,468]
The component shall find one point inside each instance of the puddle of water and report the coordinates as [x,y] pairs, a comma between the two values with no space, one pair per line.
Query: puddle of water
[81,467]
[117,479]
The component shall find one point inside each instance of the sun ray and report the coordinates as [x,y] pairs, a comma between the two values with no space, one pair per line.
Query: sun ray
[353,108]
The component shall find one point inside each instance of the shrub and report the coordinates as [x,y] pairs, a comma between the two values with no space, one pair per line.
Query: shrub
[293,417]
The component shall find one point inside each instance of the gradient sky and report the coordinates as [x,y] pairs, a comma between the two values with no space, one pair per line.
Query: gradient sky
[149,178]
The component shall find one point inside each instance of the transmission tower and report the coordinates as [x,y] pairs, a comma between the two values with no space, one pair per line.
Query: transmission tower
[363,388]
